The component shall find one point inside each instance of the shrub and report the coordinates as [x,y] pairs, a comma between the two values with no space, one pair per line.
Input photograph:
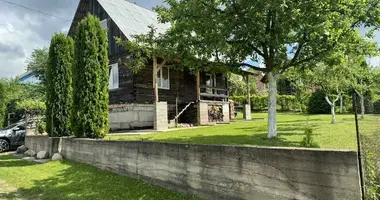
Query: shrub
[317,103]
[371,162]
[59,85]
[376,107]
[307,140]
[260,102]
[90,108]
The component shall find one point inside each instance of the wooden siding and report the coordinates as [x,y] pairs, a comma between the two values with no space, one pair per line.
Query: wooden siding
[182,85]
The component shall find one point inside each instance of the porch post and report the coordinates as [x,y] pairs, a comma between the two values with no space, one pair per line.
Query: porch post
[155,84]
[247,106]
[198,86]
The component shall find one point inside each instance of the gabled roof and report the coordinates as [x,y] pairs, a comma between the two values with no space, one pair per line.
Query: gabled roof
[131,18]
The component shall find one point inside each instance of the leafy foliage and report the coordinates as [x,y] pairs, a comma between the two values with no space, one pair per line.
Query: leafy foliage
[317,103]
[3,102]
[31,106]
[371,157]
[308,140]
[38,62]
[237,85]
[376,107]
[282,34]
[90,106]
[16,92]
[260,102]
[59,85]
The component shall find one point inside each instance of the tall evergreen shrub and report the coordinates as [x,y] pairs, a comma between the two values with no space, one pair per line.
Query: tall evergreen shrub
[90,108]
[59,85]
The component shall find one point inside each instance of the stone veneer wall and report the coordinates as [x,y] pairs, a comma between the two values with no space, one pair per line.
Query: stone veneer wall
[160,116]
[202,113]
[129,116]
[226,172]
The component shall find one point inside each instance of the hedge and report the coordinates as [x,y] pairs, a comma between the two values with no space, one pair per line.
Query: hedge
[260,102]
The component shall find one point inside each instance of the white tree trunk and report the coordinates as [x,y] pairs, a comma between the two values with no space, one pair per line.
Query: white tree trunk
[333,114]
[341,103]
[272,104]
[332,105]
[362,106]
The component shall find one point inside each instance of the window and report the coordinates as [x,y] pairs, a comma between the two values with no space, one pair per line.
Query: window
[210,82]
[104,24]
[163,78]
[114,76]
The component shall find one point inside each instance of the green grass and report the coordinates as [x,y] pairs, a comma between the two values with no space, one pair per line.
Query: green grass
[291,128]
[65,180]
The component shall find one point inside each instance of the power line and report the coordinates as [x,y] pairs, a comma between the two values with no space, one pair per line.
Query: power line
[38,11]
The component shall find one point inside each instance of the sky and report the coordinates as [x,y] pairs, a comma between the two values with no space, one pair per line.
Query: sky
[22,29]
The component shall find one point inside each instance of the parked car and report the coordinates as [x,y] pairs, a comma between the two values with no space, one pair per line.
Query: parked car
[12,136]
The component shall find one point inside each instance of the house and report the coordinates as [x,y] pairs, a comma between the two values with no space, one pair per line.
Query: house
[197,97]
[28,77]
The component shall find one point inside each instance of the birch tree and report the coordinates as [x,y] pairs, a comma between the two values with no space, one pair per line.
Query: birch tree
[284,34]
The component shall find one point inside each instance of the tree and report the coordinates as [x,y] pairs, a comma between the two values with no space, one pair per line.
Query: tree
[300,81]
[283,34]
[16,92]
[38,62]
[59,85]
[3,102]
[90,81]
[361,79]
[332,80]
[237,85]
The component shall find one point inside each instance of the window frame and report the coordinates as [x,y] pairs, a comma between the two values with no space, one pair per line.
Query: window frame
[160,79]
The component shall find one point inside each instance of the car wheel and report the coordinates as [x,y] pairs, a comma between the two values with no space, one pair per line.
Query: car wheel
[4,145]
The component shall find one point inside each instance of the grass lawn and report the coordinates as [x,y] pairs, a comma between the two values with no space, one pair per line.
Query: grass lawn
[290,126]
[20,179]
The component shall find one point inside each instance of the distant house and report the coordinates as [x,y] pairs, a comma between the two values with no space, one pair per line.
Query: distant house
[131,95]
[28,77]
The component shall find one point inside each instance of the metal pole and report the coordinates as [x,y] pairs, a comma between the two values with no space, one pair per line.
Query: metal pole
[359,147]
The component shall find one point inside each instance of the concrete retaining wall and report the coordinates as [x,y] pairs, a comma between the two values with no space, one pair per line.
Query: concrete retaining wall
[43,143]
[226,172]
[131,116]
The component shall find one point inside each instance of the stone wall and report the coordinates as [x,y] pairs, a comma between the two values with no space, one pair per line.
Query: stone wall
[129,116]
[226,172]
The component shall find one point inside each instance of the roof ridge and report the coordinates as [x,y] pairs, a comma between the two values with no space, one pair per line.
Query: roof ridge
[139,5]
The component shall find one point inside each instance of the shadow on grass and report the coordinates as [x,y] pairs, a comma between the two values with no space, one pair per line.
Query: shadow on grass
[7,160]
[81,182]
[252,135]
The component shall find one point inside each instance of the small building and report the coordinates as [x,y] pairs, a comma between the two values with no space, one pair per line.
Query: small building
[198,97]
[28,77]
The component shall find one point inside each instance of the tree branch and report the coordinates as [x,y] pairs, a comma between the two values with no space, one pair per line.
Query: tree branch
[257,50]
[328,100]
[253,67]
